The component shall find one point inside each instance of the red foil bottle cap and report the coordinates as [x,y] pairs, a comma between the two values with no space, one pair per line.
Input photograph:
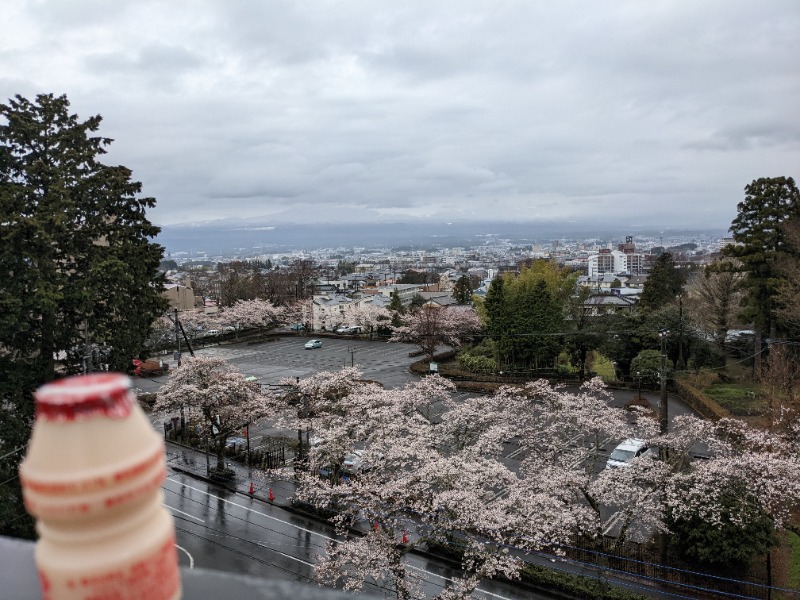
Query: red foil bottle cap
[85,396]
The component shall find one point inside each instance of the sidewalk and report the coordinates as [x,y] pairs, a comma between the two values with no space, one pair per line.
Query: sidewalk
[279,484]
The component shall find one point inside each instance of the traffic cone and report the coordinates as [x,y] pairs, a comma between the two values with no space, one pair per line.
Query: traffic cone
[405,537]
[252,489]
[271,495]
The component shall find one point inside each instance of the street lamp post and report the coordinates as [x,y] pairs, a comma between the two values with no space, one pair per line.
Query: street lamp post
[662,404]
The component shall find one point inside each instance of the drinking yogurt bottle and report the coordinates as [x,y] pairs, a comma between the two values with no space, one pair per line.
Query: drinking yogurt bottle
[92,478]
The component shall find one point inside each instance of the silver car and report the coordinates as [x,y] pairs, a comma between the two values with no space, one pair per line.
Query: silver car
[626,451]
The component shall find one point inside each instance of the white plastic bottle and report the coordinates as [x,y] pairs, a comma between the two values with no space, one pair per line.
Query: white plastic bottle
[92,478]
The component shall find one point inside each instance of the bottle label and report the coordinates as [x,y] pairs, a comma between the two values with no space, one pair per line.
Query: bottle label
[81,486]
[154,577]
[98,395]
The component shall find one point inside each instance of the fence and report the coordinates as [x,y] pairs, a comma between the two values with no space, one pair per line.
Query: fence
[664,567]
[269,453]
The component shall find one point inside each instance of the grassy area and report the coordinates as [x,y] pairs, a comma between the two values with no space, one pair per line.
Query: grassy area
[794,564]
[603,367]
[738,398]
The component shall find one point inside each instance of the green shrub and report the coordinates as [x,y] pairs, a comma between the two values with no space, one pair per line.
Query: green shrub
[745,530]
[479,358]
[706,355]
[575,585]
[477,364]
[602,366]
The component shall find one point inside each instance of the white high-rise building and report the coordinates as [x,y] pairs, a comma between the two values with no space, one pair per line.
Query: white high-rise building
[615,261]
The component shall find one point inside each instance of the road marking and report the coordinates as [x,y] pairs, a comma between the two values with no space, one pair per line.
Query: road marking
[185,551]
[515,453]
[320,535]
[183,513]
[447,579]
[300,560]
[612,522]
[260,513]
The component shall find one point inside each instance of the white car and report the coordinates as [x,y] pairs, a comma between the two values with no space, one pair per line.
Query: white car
[311,344]
[626,451]
[211,332]
[353,462]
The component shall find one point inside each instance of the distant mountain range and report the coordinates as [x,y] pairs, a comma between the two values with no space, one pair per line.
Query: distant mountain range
[238,237]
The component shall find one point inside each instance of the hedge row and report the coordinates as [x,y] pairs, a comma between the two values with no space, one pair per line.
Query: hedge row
[575,586]
[700,402]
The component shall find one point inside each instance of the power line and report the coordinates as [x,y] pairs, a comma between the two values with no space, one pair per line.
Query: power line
[14,451]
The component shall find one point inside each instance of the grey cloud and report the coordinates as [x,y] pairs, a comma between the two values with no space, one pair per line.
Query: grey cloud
[367,110]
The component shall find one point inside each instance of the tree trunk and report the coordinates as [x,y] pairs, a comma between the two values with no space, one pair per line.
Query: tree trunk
[221,453]
[757,354]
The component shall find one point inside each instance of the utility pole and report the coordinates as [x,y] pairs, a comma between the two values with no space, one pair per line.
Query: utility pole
[662,404]
[177,339]
[681,361]
[87,351]
[352,351]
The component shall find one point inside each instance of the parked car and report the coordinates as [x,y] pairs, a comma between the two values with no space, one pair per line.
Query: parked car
[211,332]
[229,328]
[353,462]
[235,441]
[348,329]
[626,451]
[311,344]
[297,327]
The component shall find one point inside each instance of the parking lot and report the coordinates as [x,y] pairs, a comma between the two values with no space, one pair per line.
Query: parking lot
[286,357]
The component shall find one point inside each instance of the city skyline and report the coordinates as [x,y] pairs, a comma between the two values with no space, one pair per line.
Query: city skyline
[637,114]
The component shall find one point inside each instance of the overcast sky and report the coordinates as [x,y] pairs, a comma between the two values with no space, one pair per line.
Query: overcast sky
[644,112]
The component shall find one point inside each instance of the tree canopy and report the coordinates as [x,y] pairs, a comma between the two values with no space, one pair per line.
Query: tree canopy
[664,283]
[462,290]
[431,460]
[76,260]
[218,398]
[524,313]
[760,241]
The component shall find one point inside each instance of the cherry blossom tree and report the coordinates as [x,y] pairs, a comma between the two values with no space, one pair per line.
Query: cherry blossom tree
[563,435]
[195,322]
[768,466]
[432,326]
[368,316]
[219,397]
[431,466]
[261,314]
[299,311]
[416,474]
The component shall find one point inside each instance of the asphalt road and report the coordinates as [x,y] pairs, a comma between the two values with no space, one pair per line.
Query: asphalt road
[221,530]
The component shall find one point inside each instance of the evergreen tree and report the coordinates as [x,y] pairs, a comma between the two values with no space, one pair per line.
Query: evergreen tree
[462,290]
[537,316]
[760,242]
[583,331]
[396,308]
[76,262]
[498,317]
[663,284]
